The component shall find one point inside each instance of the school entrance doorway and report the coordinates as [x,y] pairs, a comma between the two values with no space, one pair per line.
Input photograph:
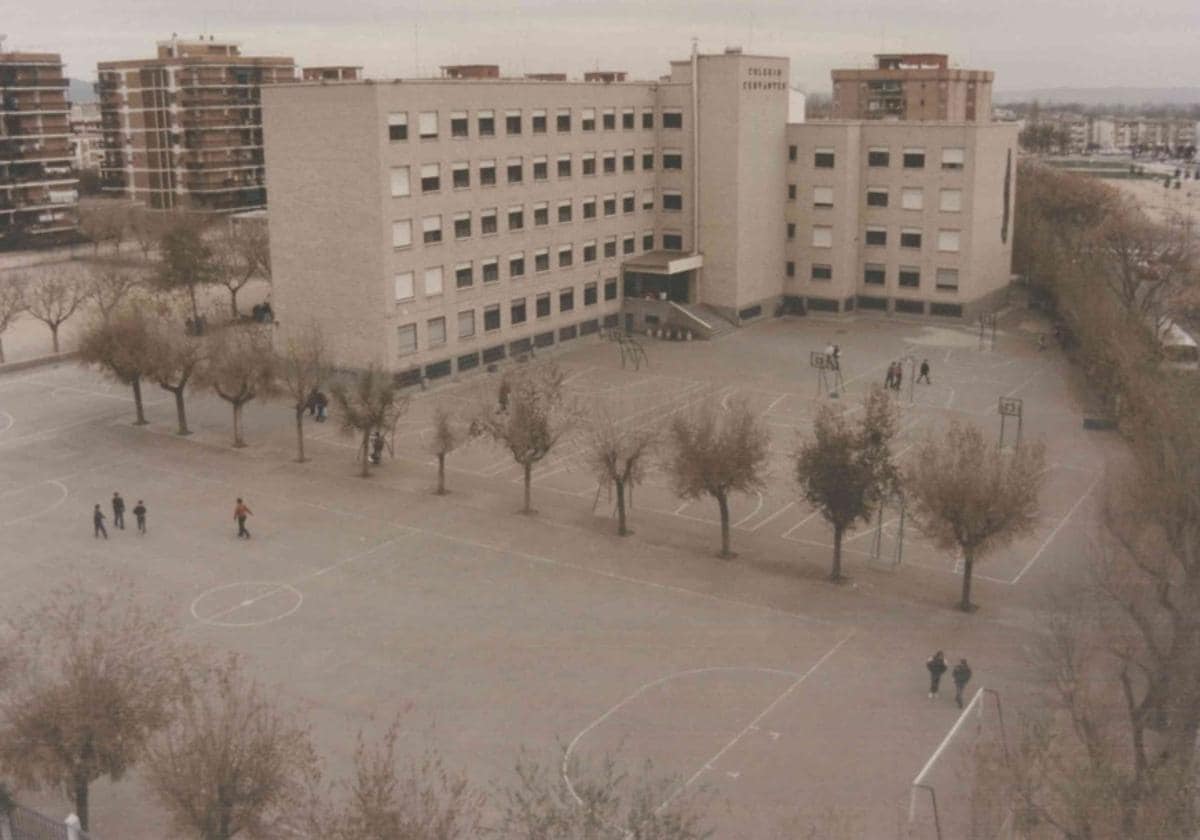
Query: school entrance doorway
[661,275]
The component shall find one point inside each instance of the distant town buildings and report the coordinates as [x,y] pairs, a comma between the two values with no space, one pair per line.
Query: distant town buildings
[184,129]
[912,87]
[1067,131]
[87,140]
[38,190]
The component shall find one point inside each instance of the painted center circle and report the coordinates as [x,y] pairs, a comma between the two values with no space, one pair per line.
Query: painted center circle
[246,604]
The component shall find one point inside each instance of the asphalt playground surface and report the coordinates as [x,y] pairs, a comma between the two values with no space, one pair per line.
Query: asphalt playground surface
[358,599]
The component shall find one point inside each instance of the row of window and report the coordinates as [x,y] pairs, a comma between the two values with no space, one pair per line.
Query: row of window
[564,212]
[948,241]
[911,198]
[488,270]
[875,274]
[515,168]
[467,321]
[429,123]
[880,157]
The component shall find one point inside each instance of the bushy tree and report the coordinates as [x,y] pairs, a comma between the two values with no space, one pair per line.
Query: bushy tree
[240,254]
[371,402]
[174,359]
[618,454]
[448,435]
[187,262]
[239,365]
[108,285]
[123,346]
[303,366]
[12,304]
[54,296]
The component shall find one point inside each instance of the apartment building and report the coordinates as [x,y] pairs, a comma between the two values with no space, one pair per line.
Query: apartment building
[912,87]
[184,129]
[87,140]
[38,191]
[908,218]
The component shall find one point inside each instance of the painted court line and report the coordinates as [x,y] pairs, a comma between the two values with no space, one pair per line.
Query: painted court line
[1057,528]
[773,516]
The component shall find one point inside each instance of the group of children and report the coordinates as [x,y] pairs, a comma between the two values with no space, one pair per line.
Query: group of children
[118,509]
[895,375]
[936,665]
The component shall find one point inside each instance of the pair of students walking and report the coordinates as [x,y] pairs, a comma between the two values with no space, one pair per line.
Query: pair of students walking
[936,665]
[118,509]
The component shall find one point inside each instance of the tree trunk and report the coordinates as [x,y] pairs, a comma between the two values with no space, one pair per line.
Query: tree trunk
[835,574]
[137,401]
[180,413]
[723,504]
[528,488]
[441,491]
[238,443]
[366,454]
[233,302]
[54,337]
[1,350]
[621,529]
[300,435]
[968,566]
[81,801]
[195,308]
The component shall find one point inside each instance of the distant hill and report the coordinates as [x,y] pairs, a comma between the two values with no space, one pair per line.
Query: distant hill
[1130,96]
[80,91]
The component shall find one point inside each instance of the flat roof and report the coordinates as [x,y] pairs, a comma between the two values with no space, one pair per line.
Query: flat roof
[664,262]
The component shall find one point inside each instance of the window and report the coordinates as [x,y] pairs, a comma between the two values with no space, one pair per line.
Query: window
[910,277]
[562,120]
[460,174]
[910,238]
[647,199]
[487,123]
[610,247]
[400,182]
[566,256]
[402,234]
[628,203]
[876,236]
[914,158]
[789,268]
[433,281]
[672,200]
[672,241]
[431,177]
[627,118]
[590,294]
[516,311]
[542,305]
[404,285]
[877,197]
[431,227]
[427,125]
[564,211]
[589,207]
[564,166]
[823,197]
[629,244]
[648,241]
[610,204]
[610,289]
[609,119]
[610,163]
[487,173]
[629,161]
[512,122]
[950,201]
[822,236]
[672,159]
[539,121]
[516,265]
[541,259]
[491,269]
[491,317]
[516,170]
[953,158]
[541,168]
[948,240]
[541,213]
[516,217]
[459,125]
[823,158]
[436,329]
[406,337]
[462,225]
[878,157]
[947,279]
[821,271]
[398,127]
[648,118]
[791,192]
[792,152]
[588,166]
[464,276]
[466,323]
[874,274]
[672,118]
[487,221]
[587,120]
[647,159]
[589,251]
[912,198]
[791,230]
[566,300]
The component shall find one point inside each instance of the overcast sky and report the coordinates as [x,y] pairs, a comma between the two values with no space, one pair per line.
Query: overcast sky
[1029,43]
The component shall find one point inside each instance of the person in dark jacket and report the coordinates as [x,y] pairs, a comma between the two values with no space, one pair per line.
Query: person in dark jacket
[139,513]
[962,676]
[936,666]
[924,372]
[98,529]
[118,511]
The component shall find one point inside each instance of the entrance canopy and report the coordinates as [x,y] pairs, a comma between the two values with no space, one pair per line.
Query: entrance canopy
[661,275]
[663,262]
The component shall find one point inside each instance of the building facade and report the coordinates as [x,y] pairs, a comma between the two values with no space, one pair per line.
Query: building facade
[912,87]
[39,193]
[183,130]
[87,140]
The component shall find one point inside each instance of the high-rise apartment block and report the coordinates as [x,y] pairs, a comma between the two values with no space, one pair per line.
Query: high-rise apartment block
[913,86]
[184,129]
[38,190]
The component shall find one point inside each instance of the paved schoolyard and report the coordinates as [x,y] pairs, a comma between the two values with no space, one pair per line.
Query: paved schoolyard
[360,599]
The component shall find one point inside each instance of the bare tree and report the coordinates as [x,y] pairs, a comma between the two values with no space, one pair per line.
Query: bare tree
[123,347]
[715,452]
[108,285]
[54,296]
[303,367]
[240,254]
[371,403]
[174,360]
[845,471]
[12,304]
[98,674]
[971,496]
[187,262]
[148,228]
[448,435]
[104,221]
[618,455]
[232,763]
[239,366]
[529,417]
